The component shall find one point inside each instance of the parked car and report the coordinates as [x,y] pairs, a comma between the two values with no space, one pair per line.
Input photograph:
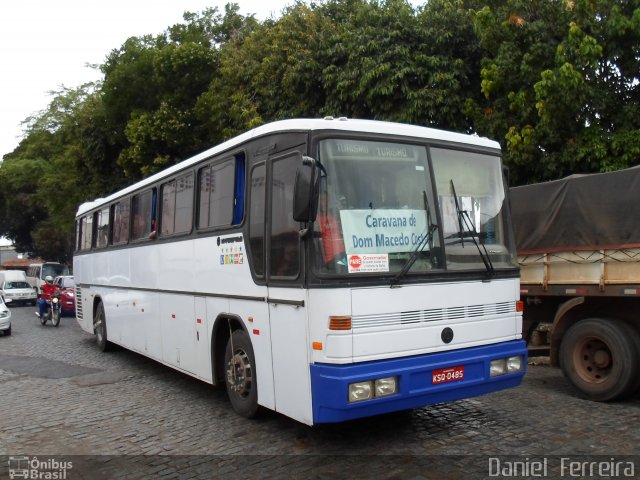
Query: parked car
[18,291]
[67,284]
[5,318]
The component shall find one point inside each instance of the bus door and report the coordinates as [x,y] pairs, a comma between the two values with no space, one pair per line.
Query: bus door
[289,342]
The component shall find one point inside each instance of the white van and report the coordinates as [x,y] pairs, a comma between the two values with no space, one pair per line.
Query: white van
[37,272]
[14,287]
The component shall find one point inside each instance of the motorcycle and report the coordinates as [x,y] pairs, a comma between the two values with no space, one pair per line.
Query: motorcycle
[53,311]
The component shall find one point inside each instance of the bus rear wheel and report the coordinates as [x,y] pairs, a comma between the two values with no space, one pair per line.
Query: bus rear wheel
[600,358]
[240,374]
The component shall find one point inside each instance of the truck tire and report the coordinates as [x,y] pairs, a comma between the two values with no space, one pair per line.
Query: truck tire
[601,358]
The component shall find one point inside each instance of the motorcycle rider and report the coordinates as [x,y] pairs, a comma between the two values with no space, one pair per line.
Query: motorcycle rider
[48,289]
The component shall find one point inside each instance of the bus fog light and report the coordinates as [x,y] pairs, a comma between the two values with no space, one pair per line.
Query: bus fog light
[498,367]
[360,391]
[386,386]
[514,364]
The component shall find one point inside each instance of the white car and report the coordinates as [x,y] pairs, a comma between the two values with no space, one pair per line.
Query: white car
[5,318]
[18,292]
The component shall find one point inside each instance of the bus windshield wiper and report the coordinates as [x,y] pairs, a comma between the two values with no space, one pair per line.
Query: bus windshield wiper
[464,222]
[426,240]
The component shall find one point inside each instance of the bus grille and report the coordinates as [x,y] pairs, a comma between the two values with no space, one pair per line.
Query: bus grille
[433,315]
[79,302]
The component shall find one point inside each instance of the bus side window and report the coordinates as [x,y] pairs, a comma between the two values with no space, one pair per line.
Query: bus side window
[102,227]
[144,211]
[284,248]
[177,205]
[76,241]
[120,217]
[256,215]
[215,193]
[86,232]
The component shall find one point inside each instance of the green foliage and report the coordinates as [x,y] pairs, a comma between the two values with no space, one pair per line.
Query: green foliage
[385,61]
[20,207]
[560,81]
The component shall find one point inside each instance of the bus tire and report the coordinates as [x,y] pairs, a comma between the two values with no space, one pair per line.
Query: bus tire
[600,358]
[100,327]
[240,375]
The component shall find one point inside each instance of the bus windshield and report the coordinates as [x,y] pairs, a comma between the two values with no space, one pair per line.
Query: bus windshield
[380,211]
[54,270]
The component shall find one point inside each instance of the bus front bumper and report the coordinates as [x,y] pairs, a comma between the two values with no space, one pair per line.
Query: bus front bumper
[421,380]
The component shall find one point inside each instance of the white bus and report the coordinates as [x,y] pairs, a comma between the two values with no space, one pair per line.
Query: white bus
[327,269]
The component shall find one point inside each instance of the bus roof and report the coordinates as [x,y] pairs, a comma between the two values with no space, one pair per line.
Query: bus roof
[327,123]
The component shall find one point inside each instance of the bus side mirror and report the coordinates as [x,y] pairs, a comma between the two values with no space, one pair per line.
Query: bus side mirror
[305,191]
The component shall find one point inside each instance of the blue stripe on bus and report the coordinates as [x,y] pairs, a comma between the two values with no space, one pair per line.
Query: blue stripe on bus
[330,383]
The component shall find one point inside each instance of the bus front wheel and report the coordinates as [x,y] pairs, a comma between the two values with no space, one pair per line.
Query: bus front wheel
[100,327]
[240,374]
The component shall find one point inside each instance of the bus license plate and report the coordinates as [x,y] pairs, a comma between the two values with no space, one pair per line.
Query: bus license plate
[449,374]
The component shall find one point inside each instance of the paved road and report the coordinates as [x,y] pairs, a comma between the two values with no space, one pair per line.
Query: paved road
[60,396]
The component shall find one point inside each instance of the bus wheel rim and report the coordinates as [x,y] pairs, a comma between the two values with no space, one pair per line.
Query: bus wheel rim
[239,373]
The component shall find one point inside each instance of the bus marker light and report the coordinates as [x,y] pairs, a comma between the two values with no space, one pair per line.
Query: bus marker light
[199,320]
[250,319]
[519,306]
[256,331]
[340,323]
[317,345]
[173,315]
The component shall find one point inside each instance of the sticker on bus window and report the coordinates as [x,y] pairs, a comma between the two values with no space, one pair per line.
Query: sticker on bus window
[366,262]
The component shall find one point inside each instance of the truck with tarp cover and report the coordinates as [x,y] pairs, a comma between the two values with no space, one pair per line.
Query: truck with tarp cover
[578,244]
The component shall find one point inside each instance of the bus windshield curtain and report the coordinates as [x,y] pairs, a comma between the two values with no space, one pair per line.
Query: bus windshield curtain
[154,200]
[238,200]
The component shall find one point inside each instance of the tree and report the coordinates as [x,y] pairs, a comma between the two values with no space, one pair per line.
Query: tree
[20,209]
[152,88]
[560,84]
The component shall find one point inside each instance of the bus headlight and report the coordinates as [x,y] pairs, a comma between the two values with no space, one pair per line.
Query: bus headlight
[498,367]
[380,387]
[502,366]
[514,364]
[385,386]
[360,391]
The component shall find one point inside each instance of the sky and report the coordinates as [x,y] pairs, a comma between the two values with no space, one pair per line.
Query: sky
[46,44]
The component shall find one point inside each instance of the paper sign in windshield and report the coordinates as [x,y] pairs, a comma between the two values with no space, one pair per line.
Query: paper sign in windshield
[382,231]
[378,262]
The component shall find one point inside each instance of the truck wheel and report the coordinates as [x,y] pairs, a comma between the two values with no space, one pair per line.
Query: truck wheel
[240,374]
[601,358]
